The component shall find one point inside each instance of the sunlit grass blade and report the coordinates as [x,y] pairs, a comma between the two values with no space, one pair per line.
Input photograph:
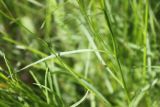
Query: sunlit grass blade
[80,101]
[57,54]
[95,91]
[35,2]
[46,85]
[8,66]
[141,94]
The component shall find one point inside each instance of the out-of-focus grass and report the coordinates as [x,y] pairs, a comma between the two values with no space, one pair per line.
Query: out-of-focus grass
[79,53]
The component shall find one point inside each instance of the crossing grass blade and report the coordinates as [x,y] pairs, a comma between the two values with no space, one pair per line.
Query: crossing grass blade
[79,53]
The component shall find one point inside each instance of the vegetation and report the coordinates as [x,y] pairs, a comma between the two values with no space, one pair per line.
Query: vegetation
[79,53]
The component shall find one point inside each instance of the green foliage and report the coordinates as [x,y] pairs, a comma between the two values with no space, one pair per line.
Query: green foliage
[79,53]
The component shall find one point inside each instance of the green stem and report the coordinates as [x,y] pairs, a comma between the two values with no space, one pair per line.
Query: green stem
[115,47]
[145,40]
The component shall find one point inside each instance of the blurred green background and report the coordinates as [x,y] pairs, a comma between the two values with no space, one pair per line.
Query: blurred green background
[116,60]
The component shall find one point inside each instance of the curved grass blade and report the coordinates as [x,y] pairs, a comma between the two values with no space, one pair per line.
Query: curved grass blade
[80,101]
[95,91]
[57,54]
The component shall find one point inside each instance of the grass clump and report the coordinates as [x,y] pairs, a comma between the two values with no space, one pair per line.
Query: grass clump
[79,53]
